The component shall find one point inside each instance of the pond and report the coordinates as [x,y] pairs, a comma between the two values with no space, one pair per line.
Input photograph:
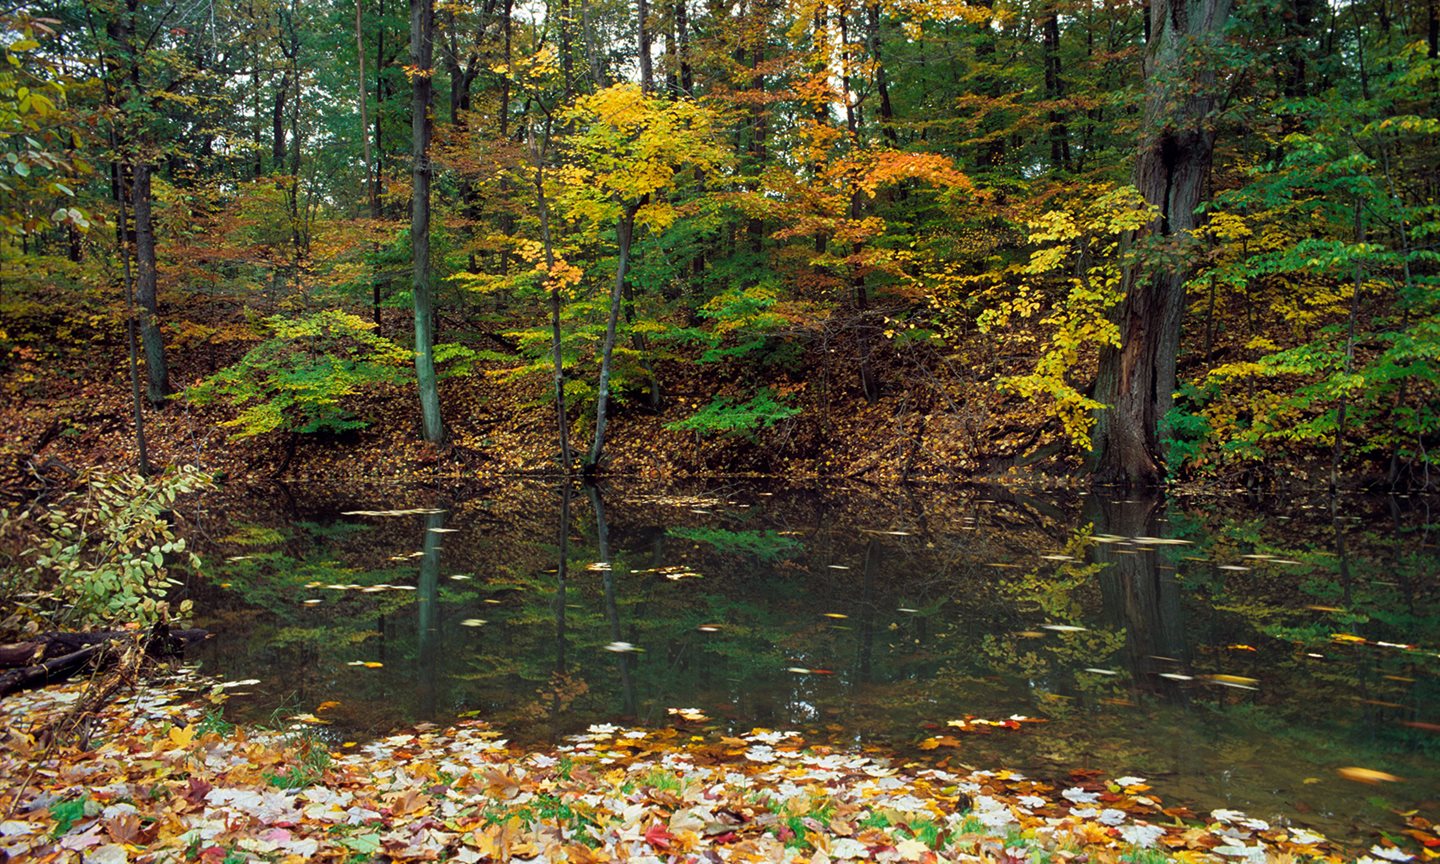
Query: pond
[1236,655]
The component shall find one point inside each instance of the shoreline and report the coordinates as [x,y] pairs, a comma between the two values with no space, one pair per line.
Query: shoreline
[167,779]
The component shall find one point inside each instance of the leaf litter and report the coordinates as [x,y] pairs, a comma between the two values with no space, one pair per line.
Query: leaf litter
[161,780]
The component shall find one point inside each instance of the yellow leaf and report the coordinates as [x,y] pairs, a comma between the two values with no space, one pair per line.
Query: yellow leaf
[181,736]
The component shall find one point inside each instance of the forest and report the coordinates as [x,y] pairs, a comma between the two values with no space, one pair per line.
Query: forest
[1174,241]
[695,431]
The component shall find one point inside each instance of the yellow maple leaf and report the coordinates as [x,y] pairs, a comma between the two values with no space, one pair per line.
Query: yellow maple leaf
[181,736]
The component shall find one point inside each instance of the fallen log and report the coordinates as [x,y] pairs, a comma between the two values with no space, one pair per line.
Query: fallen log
[51,645]
[56,656]
[56,669]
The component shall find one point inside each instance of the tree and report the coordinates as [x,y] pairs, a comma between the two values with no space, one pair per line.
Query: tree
[422,50]
[628,148]
[1137,379]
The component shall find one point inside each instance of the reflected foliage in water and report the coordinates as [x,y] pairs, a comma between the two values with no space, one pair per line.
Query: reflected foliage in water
[1236,657]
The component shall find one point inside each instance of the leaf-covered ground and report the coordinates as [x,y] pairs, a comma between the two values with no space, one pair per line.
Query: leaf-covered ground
[164,780]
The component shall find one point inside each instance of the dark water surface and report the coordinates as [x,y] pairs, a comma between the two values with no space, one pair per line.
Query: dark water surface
[1237,657]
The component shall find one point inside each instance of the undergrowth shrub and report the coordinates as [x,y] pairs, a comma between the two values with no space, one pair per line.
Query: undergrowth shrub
[101,557]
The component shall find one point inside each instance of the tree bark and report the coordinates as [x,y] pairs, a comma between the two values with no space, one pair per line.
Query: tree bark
[647,67]
[1055,91]
[277,123]
[682,35]
[422,51]
[557,357]
[625,231]
[882,86]
[1137,380]
[372,191]
[157,374]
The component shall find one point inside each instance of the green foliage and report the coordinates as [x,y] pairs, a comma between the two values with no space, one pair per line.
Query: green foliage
[300,378]
[725,417]
[102,557]
[765,545]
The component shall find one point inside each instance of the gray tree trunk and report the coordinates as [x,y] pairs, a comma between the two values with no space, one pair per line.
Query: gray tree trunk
[422,51]
[1137,380]
[626,232]
[157,374]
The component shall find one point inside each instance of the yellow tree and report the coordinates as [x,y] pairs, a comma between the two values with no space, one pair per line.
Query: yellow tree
[628,148]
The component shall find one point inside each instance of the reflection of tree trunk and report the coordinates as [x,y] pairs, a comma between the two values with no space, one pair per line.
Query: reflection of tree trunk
[427,629]
[1342,555]
[1137,594]
[612,611]
[867,611]
[558,604]
[561,574]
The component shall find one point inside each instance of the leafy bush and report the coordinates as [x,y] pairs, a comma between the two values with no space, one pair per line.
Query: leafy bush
[723,417]
[299,378]
[100,557]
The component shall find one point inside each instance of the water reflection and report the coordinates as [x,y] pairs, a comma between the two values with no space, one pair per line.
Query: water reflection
[1140,593]
[1238,657]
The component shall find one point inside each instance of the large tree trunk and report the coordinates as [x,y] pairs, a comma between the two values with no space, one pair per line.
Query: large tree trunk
[422,50]
[1137,380]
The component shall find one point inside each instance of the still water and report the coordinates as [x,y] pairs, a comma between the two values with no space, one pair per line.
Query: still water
[1236,655]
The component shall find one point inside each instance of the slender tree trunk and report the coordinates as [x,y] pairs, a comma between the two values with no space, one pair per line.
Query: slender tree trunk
[672,57]
[992,152]
[507,218]
[120,30]
[380,94]
[557,358]
[682,35]
[1137,380]
[567,59]
[647,67]
[277,123]
[157,374]
[592,53]
[363,101]
[1055,91]
[1337,452]
[452,63]
[422,48]
[625,231]
[882,86]
[372,193]
[299,233]
[122,231]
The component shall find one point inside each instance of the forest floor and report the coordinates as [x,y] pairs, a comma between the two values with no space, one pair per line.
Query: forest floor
[934,420]
[162,777]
